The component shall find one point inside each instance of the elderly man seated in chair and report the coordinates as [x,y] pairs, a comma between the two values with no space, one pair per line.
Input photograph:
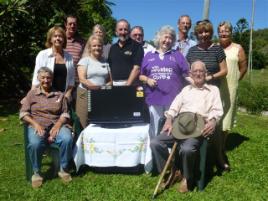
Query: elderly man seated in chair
[191,117]
[46,112]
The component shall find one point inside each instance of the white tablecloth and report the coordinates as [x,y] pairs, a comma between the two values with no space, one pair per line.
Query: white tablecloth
[109,147]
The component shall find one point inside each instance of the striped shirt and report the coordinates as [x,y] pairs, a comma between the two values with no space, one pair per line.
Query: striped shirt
[75,47]
[212,57]
[44,109]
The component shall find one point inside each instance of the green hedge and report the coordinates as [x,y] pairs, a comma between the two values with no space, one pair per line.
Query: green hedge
[253,97]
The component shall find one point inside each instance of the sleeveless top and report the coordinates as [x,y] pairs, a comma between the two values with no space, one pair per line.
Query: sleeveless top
[229,86]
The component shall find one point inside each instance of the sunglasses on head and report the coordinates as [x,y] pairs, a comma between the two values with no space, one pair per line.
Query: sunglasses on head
[203,21]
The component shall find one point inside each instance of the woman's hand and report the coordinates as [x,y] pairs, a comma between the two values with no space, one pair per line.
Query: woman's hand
[209,77]
[39,129]
[151,82]
[68,96]
[54,132]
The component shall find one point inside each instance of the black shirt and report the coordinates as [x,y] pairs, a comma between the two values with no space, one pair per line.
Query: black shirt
[59,77]
[122,59]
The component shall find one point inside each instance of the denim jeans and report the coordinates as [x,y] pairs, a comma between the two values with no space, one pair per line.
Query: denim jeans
[38,144]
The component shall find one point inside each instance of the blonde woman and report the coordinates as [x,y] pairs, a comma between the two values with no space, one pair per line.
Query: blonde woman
[99,30]
[237,68]
[58,60]
[93,73]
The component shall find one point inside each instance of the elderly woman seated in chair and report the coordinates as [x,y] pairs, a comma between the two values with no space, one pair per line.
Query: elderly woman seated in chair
[46,113]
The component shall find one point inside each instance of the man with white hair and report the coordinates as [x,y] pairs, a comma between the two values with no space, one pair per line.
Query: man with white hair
[202,100]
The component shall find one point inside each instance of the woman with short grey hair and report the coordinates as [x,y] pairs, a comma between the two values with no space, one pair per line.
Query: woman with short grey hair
[167,29]
[163,72]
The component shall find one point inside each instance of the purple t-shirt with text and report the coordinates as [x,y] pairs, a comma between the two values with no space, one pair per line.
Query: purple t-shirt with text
[169,70]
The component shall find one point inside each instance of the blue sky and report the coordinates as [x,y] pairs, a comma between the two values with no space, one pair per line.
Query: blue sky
[152,14]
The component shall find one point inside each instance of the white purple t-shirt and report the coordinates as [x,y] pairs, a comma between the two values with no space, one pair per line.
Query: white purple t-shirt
[169,70]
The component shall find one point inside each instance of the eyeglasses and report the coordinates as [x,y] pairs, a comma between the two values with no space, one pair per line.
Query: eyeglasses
[198,71]
[225,31]
[203,21]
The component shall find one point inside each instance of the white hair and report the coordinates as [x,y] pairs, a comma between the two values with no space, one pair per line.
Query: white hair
[167,29]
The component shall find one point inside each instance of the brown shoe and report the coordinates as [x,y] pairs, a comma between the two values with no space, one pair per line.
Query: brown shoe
[163,184]
[183,188]
[37,181]
[174,176]
[65,177]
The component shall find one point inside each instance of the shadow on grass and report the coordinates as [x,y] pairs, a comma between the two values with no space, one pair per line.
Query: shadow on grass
[234,140]
[136,170]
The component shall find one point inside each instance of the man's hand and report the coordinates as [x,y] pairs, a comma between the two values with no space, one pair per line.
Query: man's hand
[167,128]
[39,130]
[209,128]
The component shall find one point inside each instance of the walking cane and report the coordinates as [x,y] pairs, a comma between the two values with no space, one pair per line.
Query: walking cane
[171,155]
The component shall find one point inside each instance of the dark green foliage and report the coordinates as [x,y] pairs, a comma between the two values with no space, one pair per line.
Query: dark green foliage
[259,59]
[23,28]
[253,97]
[241,35]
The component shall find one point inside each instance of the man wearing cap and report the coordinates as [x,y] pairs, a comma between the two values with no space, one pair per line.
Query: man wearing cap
[192,116]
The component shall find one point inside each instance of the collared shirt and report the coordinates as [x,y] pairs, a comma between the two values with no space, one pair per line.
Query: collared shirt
[122,59]
[44,109]
[184,45]
[147,48]
[169,69]
[205,101]
[45,58]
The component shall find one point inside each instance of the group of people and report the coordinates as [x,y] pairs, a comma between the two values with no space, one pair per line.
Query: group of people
[179,76]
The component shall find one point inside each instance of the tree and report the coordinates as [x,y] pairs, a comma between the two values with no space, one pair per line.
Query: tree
[23,28]
[241,33]
[97,12]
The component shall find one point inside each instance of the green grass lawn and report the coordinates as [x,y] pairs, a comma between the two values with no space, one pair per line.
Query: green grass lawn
[257,77]
[247,152]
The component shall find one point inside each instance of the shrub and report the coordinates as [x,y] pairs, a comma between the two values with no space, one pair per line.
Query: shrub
[258,59]
[253,98]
